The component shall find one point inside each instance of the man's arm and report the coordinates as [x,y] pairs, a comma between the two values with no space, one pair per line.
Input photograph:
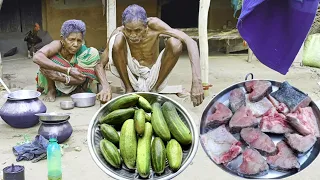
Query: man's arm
[104,58]
[192,47]
[42,57]
[102,76]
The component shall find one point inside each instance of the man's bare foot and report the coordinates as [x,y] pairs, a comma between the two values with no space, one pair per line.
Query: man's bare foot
[50,97]
[154,90]
[184,93]
[129,90]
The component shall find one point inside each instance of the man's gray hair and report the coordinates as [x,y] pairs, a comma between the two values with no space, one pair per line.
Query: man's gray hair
[134,13]
[73,26]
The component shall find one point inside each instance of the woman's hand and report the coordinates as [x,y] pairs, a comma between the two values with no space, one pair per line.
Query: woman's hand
[74,72]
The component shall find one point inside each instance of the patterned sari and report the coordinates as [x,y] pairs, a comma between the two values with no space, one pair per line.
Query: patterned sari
[84,60]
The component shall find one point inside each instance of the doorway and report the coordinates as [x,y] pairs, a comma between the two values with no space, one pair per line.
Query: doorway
[20,15]
[177,17]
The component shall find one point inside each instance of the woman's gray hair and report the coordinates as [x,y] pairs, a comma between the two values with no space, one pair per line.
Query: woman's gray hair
[73,26]
[133,13]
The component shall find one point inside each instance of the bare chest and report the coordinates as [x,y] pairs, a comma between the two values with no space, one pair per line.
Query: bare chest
[146,52]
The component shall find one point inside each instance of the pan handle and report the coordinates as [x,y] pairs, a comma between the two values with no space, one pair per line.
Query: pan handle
[246,78]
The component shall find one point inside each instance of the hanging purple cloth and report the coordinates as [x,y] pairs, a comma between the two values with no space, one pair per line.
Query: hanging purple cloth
[276,29]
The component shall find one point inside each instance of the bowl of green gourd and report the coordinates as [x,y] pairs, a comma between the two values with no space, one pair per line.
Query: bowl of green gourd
[142,135]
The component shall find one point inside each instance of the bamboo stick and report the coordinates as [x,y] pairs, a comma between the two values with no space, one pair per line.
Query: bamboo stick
[111,17]
[203,43]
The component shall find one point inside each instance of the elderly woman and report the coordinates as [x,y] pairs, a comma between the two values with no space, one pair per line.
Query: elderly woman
[75,68]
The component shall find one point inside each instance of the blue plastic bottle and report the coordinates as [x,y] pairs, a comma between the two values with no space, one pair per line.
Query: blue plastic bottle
[54,160]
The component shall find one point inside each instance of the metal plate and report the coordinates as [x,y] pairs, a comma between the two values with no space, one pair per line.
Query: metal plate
[223,97]
[23,95]
[94,137]
[53,116]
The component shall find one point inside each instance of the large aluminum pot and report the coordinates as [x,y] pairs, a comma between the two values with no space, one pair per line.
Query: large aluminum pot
[20,108]
[94,138]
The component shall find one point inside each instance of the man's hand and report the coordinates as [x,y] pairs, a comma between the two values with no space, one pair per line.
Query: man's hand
[104,95]
[74,72]
[197,95]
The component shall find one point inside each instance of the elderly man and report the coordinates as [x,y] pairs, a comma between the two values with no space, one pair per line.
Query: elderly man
[68,66]
[132,53]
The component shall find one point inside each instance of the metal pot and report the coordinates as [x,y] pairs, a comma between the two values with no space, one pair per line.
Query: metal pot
[20,108]
[15,172]
[60,129]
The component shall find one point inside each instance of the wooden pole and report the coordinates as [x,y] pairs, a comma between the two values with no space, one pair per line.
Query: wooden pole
[1,1]
[44,15]
[1,73]
[203,43]
[111,16]
[250,54]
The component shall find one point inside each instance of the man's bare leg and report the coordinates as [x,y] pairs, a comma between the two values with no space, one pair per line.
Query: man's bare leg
[171,54]
[51,95]
[119,55]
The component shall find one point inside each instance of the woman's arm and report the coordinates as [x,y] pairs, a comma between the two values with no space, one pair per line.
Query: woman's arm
[42,57]
[56,77]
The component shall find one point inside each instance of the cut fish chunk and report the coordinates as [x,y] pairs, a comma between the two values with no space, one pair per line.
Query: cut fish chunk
[258,89]
[255,138]
[284,160]
[304,121]
[253,163]
[221,145]
[274,122]
[242,118]
[222,114]
[237,99]
[301,144]
[293,98]
[259,108]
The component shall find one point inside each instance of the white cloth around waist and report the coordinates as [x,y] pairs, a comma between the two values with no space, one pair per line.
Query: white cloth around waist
[146,77]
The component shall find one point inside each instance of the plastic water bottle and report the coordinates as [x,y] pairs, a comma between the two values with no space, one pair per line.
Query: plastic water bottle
[54,160]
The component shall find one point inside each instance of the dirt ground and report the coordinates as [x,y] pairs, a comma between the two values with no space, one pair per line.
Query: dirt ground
[224,71]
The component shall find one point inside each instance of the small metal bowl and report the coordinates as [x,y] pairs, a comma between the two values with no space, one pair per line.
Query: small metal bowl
[66,105]
[84,99]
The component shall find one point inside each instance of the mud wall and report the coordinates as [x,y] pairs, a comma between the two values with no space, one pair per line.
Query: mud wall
[55,12]
[219,13]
